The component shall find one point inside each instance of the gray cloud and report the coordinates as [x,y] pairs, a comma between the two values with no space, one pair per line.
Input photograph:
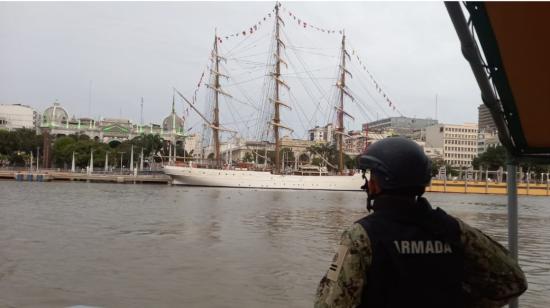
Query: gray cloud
[52,50]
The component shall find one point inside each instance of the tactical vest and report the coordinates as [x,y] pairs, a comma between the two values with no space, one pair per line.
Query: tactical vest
[417,256]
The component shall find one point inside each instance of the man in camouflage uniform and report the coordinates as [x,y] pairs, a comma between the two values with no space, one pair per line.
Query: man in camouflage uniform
[406,254]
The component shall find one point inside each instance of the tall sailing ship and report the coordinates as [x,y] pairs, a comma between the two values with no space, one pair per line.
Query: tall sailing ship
[305,177]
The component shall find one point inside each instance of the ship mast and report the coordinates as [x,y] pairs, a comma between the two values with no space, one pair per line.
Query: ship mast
[217,90]
[276,97]
[342,86]
[216,122]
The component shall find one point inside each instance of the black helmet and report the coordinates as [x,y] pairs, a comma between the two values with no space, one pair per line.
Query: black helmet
[399,164]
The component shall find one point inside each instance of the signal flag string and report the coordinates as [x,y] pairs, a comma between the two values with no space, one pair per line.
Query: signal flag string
[301,22]
[195,92]
[306,25]
[379,89]
[251,30]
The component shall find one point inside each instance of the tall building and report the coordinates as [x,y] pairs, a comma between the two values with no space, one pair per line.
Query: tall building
[17,116]
[485,120]
[402,126]
[459,142]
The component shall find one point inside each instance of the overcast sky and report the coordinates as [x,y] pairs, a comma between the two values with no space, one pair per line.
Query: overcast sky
[127,50]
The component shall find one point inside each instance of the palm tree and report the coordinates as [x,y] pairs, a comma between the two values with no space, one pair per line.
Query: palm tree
[151,143]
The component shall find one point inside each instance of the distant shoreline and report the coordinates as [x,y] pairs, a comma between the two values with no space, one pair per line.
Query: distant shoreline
[486,188]
[436,186]
[51,175]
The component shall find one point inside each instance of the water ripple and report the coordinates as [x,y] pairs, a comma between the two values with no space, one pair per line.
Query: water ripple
[106,245]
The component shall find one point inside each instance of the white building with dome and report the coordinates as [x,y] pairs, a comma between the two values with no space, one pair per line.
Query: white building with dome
[173,126]
[57,122]
[55,116]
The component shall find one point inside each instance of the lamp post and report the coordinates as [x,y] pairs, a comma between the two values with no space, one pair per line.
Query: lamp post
[37,157]
[91,167]
[141,160]
[106,161]
[121,155]
[31,162]
[132,159]
[73,166]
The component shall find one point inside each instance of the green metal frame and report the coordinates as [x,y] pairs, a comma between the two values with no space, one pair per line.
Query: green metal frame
[507,120]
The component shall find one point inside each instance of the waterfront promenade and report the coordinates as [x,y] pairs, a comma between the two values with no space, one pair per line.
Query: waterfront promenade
[157,177]
[110,177]
[488,187]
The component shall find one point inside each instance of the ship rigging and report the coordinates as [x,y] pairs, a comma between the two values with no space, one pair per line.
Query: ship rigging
[277,92]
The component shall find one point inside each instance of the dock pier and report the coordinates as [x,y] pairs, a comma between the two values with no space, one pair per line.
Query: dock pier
[49,175]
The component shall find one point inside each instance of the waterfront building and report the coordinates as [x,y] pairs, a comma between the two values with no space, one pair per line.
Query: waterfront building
[488,134]
[55,116]
[191,144]
[55,119]
[322,134]
[298,147]
[55,122]
[402,126]
[431,152]
[237,149]
[355,142]
[374,137]
[17,116]
[485,140]
[485,120]
[173,127]
[459,142]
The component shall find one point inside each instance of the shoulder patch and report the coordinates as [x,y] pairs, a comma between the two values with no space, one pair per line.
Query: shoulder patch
[336,265]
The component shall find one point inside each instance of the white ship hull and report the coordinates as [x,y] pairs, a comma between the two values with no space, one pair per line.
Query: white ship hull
[259,179]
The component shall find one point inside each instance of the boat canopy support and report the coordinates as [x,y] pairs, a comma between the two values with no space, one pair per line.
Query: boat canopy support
[509,68]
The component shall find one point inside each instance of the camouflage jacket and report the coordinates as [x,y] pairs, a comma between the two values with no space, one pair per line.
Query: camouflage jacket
[492,277]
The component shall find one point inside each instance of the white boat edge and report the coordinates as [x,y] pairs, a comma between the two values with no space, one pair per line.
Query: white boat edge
[190,176]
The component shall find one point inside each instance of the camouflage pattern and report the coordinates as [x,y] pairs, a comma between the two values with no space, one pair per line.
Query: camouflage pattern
[492,277]
[345,290]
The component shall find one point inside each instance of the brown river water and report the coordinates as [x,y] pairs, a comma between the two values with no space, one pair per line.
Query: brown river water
[67,244]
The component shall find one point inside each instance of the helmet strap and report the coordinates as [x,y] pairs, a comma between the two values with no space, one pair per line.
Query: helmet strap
[370,196]
[369,203]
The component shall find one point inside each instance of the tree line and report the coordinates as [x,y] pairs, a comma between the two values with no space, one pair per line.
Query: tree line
[493,159]
[16,147]
[82,146]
